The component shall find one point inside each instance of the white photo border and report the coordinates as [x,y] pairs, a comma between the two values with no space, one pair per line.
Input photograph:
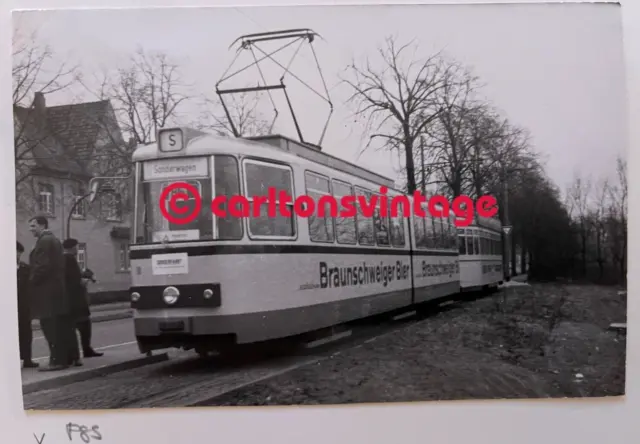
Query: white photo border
[478,422]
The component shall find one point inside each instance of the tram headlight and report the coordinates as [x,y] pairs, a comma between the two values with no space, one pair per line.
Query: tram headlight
[208,294]
[135,296]
[170,295]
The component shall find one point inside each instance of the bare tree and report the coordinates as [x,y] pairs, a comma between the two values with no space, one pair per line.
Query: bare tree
[449,136]
[398,100]
[597,220]
[618,198]
[579,195]
[244,111]
[487,133]
[36,73]
[599,217]
[34,70]
[146,95]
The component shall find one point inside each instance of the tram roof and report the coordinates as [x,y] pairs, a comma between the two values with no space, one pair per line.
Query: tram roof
[203,143]
[489,223]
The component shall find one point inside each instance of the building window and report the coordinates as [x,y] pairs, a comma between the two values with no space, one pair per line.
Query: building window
[82,256]
[45,199]
[112,206]
[123,258]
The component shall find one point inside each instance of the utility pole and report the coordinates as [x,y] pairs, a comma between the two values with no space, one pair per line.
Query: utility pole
[505,223]
[424,181]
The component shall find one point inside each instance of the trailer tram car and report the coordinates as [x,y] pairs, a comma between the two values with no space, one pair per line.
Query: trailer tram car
[480,255]
[218,282]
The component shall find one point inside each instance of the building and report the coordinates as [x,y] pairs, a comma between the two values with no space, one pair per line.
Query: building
[58,149]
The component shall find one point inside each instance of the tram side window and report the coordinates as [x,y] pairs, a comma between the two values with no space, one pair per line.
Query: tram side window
[494,245]
[260,177]
[345,226]
[397,229]
[429,231]
[446,244]
[462,243]
[438,235]
[483,243]
[320,227]
[381,225]
[420,232]
[227,180]
[432,232]
[452,239]
[445,234]
[476,242]
[365,224]
[454,236]
[469,237]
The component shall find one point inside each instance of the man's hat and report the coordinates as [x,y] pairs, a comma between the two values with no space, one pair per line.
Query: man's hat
[69,243]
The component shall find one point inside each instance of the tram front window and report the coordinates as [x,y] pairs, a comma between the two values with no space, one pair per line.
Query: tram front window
[155,227]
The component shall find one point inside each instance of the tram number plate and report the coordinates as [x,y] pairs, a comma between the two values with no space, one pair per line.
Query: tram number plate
[172,326]
[172,263]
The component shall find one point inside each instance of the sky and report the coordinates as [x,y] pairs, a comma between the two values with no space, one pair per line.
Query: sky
[556,70]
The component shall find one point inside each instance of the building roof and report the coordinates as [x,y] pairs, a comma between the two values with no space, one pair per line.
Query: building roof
[77,126]
[65,135]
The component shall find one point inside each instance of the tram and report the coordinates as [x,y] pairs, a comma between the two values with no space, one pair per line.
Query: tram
[215,282]
[480,249]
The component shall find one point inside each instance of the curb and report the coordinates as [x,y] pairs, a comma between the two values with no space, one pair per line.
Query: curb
[98,318]
[93,373]
[110,307]
[112,316]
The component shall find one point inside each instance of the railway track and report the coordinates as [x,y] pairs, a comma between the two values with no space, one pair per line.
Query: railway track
[192,381]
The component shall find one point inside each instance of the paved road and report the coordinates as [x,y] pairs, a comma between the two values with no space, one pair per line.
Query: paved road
[105,335]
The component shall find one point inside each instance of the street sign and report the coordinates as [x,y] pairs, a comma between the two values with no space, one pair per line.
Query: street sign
[507,229]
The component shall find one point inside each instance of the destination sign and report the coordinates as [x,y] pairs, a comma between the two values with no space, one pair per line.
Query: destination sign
[176,168]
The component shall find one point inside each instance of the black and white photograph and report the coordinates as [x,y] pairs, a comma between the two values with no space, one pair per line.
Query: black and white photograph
[164,258]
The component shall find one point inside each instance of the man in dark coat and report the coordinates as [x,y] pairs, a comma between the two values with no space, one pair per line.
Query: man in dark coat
[25,331]
[84,324]
[76,284]
[46,283]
